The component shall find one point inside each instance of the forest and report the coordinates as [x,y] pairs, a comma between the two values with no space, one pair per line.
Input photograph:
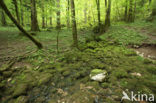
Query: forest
[77,51]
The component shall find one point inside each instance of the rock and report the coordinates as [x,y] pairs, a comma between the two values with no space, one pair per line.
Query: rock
[22,99]
[98,75]
[136,74]
[20,90]
[44,78]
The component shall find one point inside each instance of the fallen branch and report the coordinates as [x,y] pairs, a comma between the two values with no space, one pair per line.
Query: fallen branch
[4,7]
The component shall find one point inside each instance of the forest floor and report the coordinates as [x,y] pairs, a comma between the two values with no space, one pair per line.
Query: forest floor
[127,52]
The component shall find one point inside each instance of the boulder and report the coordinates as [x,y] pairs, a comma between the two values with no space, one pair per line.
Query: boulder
[98,75]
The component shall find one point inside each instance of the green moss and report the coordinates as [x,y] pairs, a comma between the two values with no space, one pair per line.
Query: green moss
[120,73]
[44,78]
[105,85]
[93,84]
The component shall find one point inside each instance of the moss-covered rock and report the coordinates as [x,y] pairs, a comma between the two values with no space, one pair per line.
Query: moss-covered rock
[20,89]
[98,75]
[44,78]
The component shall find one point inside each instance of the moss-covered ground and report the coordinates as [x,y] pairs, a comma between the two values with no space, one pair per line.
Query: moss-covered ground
[45,76]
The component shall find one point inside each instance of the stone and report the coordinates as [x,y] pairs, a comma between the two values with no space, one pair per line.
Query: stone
[20,90]
[98,75]
[44,78]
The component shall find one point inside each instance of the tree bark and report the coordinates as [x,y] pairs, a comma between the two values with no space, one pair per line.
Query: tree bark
[108,11]
[58,15]
[38,44]
[34,22]
[74,26]
[16,10]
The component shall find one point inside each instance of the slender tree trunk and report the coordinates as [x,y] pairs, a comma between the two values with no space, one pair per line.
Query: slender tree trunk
[134,11]
[34,22]
[51,23]
[154,8]
[22,12]
[43,16]
[2,4]
[130,15]
[99,14]
[126,11]
[58,15]
[74,26]
[108,12]
[68,14]
[16,10]
[85,13]
[3,20]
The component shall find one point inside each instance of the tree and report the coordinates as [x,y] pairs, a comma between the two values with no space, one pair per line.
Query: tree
[43,14]
[68,14]
[58,15]
[99,14]
[38,44]
[34,22]
[74,26]
[130,14]
[126,10]
[22,12]
[154,8]
[16,10]
[108,12]
[3,19]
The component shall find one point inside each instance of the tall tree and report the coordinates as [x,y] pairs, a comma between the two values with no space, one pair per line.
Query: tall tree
[43,14]
[34,22]
[4,7]
[154,8]
[16,10]
[108,12]
[68,14]
[74,26]
[22,12]
[3,19]
[99,14]
[58,15]
[130,14]
[126,10]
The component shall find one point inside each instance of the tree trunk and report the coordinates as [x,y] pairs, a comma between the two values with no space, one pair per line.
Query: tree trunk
[154,8]
[126,11]
[108,11]
[43,16]
[16,10]
[85,13]
[74,26]
[58,15]
[22,13]
[68,14]
[99,14]
[130,15]
[3,20]
[2,4]
[34,22]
